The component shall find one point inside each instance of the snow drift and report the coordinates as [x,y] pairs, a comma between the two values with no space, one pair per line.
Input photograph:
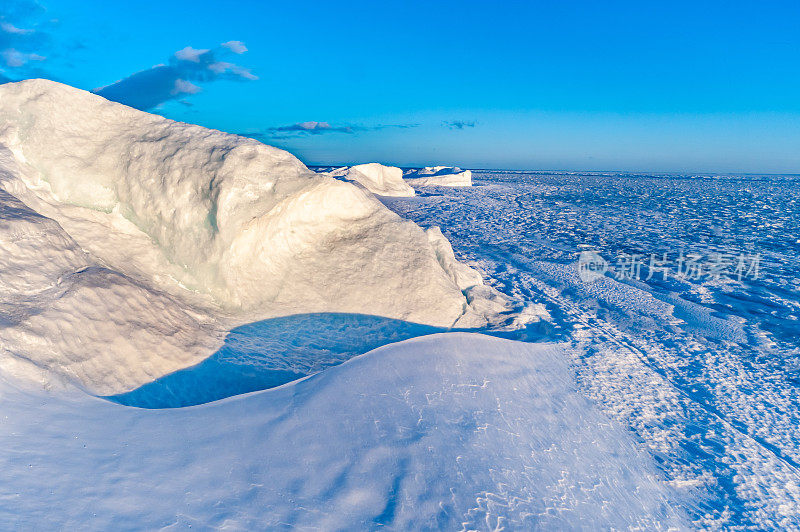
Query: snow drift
[443,176]
[447,432]
[377,178]
[136,241]
[246,222]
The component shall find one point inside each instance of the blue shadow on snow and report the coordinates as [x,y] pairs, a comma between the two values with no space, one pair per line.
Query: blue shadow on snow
[268,353]
[272,352]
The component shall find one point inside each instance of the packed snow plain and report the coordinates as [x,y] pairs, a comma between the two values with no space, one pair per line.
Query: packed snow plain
[198,331]
[703,371]
[450,431]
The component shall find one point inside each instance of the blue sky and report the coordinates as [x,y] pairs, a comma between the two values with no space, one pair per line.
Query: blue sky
[582,85]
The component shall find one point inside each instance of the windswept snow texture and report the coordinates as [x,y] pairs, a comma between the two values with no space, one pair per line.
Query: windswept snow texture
[704,372]
[442,176]
[445,432]
[377,178]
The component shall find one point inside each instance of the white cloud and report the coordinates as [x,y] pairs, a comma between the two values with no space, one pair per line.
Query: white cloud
[243,73]
[236,47]
[220,67]
[311,125]
[185,72]
[190,54]
[10,28]
[14,58]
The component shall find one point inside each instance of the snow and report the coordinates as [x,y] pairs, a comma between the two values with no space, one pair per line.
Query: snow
[135,242]
[377,178]
[704,372]
[161,264]
[64,313]
[443,176]
[462,275]
[452,431]
[244,222]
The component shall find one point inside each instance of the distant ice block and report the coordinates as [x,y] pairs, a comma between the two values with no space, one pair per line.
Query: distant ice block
[443,176]
[377,178]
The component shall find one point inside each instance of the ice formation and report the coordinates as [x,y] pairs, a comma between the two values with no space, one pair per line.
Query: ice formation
[443,176]
[377,178]
[138,240]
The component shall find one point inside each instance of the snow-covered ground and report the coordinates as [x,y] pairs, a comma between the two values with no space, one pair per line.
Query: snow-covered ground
[290,339]
[704,372]
[446,432]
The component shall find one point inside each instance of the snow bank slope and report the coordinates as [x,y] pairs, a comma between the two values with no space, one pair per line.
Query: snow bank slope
[64,314]
[377,178]
[443,176]
[444,432]
[247,223]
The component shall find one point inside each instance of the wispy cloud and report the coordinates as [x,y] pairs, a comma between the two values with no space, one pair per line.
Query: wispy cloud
[187,68]
[311,127]
[7,27]
[458,124]
[14,58]
[190,54]
[23,37]
[185,87]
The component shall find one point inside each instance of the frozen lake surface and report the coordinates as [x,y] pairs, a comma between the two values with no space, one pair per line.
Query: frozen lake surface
[703,367]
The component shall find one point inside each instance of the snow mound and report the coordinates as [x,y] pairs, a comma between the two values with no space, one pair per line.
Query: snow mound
[377,178]
[247,223]
[131,243]
[62,313]
[447,432]
[443,176]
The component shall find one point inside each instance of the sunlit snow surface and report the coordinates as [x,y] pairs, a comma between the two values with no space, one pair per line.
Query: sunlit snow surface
[447,432]
[465,431]
[704,373]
